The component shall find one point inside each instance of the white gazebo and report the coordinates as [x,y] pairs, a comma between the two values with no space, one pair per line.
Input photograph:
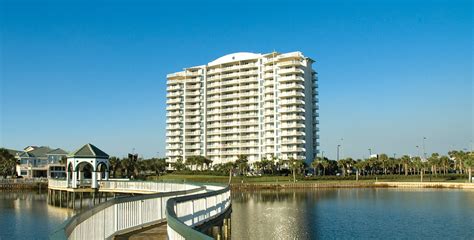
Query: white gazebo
[86,166]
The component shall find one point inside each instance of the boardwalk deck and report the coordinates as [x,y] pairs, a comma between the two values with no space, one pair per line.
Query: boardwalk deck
[154,232]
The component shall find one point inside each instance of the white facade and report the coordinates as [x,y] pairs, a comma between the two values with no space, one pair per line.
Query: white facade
[258,105]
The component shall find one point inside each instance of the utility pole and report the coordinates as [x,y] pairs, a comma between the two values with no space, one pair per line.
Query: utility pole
[337,156]
[418,150]
[342,144]
[424,149]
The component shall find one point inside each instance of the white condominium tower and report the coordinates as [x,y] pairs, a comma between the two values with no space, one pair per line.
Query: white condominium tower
[258,105]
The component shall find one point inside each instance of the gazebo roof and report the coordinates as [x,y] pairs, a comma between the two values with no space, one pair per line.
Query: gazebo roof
[88,151]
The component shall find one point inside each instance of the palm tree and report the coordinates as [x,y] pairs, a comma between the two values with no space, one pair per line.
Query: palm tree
[420,165]
[469,163]
[325,164]
[179,165]
[434,162]
[383,158]
[242,164]
[114,165]
[405,161]
[316,163]
[359,165]
[345,164]
[445,162]
[294,165]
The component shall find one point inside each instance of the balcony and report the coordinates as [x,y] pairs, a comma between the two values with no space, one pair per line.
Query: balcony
[173,101]
[292,149]
[193,93]
[249,115]
[292,117]
[293,133]
[233,116]
[230,83]
[249,87]
[230,89]
[245,123]
[292,125]
[247,73]
[229,76]
[291,86]
[249,94]
[249,137]
[292,110]
[268,76]
[173,88]
[289,63]
[292,102]
[213,112]
[290,70]
[293,78]
[228,96]
[293,141]
[287,94]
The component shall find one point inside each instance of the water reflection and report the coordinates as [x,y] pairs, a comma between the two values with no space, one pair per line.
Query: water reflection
[26,215]
[353,213]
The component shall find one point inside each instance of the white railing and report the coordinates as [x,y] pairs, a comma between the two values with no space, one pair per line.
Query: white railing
[183,213]
[124,214]
[55,183]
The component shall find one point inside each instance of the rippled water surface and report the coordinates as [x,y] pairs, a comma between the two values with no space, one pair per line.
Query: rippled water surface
[295,214]
[353,214]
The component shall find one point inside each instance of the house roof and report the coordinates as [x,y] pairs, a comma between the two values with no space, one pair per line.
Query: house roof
[37,152]
[57,151]
[13,152]
[88,151]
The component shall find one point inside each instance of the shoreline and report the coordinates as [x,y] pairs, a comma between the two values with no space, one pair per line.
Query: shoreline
[289,185]
[266,186]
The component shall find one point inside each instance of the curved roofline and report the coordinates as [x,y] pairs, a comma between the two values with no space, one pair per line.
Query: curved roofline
[235,57]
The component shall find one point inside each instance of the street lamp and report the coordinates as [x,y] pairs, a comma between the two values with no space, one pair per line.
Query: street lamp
[418,150]
[337,156]
[424,149]
[370,152]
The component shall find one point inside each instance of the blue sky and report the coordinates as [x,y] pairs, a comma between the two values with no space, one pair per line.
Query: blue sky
[390,72]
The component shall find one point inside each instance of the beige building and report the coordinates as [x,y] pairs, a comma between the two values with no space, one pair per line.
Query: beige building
[258,105]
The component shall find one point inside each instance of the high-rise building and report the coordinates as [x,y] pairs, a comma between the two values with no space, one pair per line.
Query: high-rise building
[258,105]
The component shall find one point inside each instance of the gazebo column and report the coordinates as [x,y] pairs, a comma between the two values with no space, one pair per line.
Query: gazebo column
[74,179]
[68,176]
[94,180]
[106,175]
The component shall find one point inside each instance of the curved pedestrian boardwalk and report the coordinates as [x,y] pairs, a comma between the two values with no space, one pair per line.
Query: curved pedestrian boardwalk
[183,207]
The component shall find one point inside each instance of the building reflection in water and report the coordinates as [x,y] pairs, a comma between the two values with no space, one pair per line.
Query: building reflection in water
[369,213]
[27,215]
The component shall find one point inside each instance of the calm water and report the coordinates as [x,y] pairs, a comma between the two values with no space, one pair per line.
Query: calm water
[353,213]
[295,214]
[26,215]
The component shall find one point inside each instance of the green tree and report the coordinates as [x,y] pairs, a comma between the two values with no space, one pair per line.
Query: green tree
[114,166]
[469,163]
[178,165]
[316,163]
[433,160]
[405,161]
[242,164]
[383,158]
[360,166]
[295,165]
[7,163]
[325,164]
[445,162]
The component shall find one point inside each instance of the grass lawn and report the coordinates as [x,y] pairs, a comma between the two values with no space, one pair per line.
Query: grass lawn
[317,179]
